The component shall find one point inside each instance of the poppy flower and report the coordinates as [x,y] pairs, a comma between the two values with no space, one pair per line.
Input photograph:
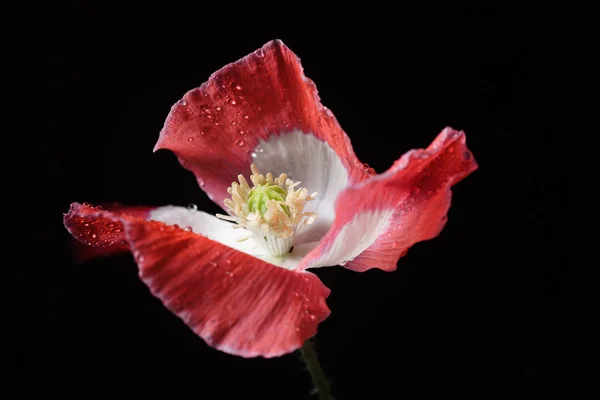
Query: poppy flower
[240,280]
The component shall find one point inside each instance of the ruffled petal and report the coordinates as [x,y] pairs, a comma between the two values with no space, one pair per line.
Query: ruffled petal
[235,302]
[263,110]
[378,220]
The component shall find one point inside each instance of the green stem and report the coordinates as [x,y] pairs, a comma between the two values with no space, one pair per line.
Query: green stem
[316,372]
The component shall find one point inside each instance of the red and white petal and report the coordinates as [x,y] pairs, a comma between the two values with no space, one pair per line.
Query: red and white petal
[378,220]
[223,232]
[235,302]
[208,225]
[263,110]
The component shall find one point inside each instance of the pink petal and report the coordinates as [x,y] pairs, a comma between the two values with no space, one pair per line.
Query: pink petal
[215,128]
[235,302]
[378,220]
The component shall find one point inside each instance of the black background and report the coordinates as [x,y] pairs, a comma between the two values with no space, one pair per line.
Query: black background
[473,314]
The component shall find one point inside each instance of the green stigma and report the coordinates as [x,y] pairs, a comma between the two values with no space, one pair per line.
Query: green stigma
[260,194]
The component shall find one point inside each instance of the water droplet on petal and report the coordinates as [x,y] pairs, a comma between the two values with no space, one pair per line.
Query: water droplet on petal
[218,108]
[192,207]
[189,228]
[232,102]
[246,116]
[202,133]
[394,245]
[312,317]
[94,236]
[233,123]
[254,155]
[183,102]
[240,143]
[190,139]
[238,87]
[368,169]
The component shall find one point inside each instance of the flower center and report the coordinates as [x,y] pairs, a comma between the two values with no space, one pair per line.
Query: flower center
[272,210]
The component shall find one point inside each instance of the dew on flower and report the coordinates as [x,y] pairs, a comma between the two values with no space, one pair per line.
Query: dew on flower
[189,272]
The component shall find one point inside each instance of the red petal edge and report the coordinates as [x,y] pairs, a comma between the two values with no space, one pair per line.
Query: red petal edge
[416,188]
[214,129]
[235,302]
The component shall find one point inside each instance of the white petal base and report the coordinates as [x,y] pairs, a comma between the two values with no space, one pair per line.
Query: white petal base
[305,158]
[223,232]
[354,238]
